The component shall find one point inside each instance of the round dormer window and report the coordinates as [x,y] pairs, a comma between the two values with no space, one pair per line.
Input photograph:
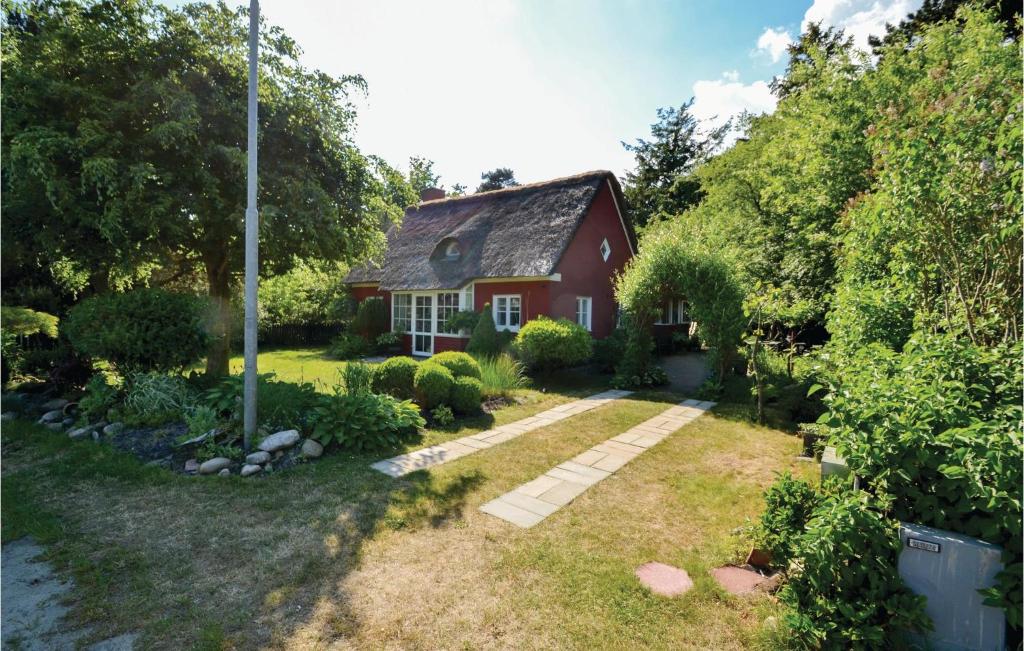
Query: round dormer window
[452,250]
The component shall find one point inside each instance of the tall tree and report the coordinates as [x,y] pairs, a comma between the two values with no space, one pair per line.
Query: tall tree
[124,149]
[809,56]
[662,182]
[934,11]
[422,175]
[497,179]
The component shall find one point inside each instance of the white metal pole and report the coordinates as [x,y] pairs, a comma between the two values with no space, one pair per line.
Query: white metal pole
[251,240]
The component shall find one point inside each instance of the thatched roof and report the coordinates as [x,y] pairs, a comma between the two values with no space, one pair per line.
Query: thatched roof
[515,232]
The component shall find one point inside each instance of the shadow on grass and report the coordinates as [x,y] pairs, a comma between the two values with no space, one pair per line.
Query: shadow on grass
[254,562]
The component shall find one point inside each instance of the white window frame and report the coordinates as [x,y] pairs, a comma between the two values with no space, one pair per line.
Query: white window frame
[606,250]
[508,311]
[588,312]
[451,309]
[394,312]
[676,309]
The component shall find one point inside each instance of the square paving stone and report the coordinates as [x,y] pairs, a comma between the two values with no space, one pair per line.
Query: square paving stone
[589,458]
[511,513]
[627,437]
[611,463]
[388,468]
[563,493]
[624,447]
[531,504]
[647,441]
[574,477]
[664,580]
[476,443]
[615,451]
[580,469]
[538,485]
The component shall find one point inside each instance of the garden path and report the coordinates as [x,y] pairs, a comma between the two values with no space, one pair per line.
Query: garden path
[535,500]
[445,452]
[686,372]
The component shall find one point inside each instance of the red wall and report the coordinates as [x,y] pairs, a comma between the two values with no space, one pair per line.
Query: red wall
[536,296]
[583,271]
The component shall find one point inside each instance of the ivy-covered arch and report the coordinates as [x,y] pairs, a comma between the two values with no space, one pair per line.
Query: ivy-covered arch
[672,264]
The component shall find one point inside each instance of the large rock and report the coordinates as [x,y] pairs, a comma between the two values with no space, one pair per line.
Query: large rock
[52,416]
[257,458]
[311,449]
[226,472]
[113,429]
[192,466]
[80,433]
[280,440]
[55,404]
[214,465]
[250,469]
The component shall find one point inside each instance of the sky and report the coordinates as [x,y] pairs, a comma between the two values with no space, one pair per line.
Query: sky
[551,88]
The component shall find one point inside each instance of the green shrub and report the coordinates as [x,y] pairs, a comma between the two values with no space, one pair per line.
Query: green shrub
[356,377]
[348,346]
[389,341]
[152,396]
[546,345]
[98,399]
[279,404]
[788,505]
[460,364]
[846,591]
[466,395]
[139,331]
[442,415]
[23,322]
[432,384]
[651,376]
[501,375]
[608,352]
[395,377]
[201,420]
[371,319]
[363,421]
[463,321]
[484,341]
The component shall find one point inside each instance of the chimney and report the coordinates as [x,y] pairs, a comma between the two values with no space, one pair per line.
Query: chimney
[430,194]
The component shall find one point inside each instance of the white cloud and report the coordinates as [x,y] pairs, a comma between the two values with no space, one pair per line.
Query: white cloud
[731,75]
[859,18]
[773,43]
[718,100]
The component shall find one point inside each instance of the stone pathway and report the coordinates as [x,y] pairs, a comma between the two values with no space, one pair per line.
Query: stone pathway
[33,614]
[537,499]
[445,452]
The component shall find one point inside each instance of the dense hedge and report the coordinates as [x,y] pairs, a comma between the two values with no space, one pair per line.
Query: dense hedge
[545,344]
[467,392]
[460,364]
[395,377]
[433,385]
[141,330]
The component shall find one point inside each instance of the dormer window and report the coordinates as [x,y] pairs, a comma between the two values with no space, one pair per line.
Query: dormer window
[451,251]
[606,250]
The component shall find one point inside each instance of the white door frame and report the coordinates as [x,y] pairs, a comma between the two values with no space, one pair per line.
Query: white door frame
[429,332]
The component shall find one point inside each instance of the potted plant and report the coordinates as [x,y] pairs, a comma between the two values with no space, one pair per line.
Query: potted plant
[389,343]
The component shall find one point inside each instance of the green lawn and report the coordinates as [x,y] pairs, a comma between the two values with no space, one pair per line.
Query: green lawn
[297,365]
[335,554]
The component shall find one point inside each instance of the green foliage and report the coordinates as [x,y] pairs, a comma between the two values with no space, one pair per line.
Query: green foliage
[305,294]
[395,376]
[99,398]
[442,415]
[348,346]
[608,352]
[651,376]
[139,331]
[497,179]
[389,341]
[663,184]
[673,264]
[937,428]
[23,322]
[279,404]
[484,341]
[210,449]
[155,398]
[846,591]
[363,421]
[462,321]
[545,344]
[356,377]
[467,392]
[422,175]
[371,318]
[460,364]
[432,384]
[201,420]
[501,375]
[788,506]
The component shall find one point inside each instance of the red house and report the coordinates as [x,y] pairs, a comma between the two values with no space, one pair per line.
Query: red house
[550,248]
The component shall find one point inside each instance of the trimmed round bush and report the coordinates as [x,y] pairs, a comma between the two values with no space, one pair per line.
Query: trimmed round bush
[433,385]
[467,393]
[460,364]
[546,345]
[484,341]
[142,330]
[395,376]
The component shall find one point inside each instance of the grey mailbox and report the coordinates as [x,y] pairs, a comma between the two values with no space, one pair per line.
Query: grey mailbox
[949,569]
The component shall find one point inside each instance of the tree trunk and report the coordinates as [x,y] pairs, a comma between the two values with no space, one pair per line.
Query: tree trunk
[219,350]
[758,377]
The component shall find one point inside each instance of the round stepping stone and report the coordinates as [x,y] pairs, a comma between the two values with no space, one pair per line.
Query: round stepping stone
[664,580]
[737,580]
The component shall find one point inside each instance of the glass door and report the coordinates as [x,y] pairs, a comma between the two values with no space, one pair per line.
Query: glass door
[423,325]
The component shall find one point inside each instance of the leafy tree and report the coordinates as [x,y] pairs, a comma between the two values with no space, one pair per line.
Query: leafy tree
[457,190]
[935,11]
[816,48]
[307,293]
[663,182]
[124,150]
[422,175]
[497,179]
